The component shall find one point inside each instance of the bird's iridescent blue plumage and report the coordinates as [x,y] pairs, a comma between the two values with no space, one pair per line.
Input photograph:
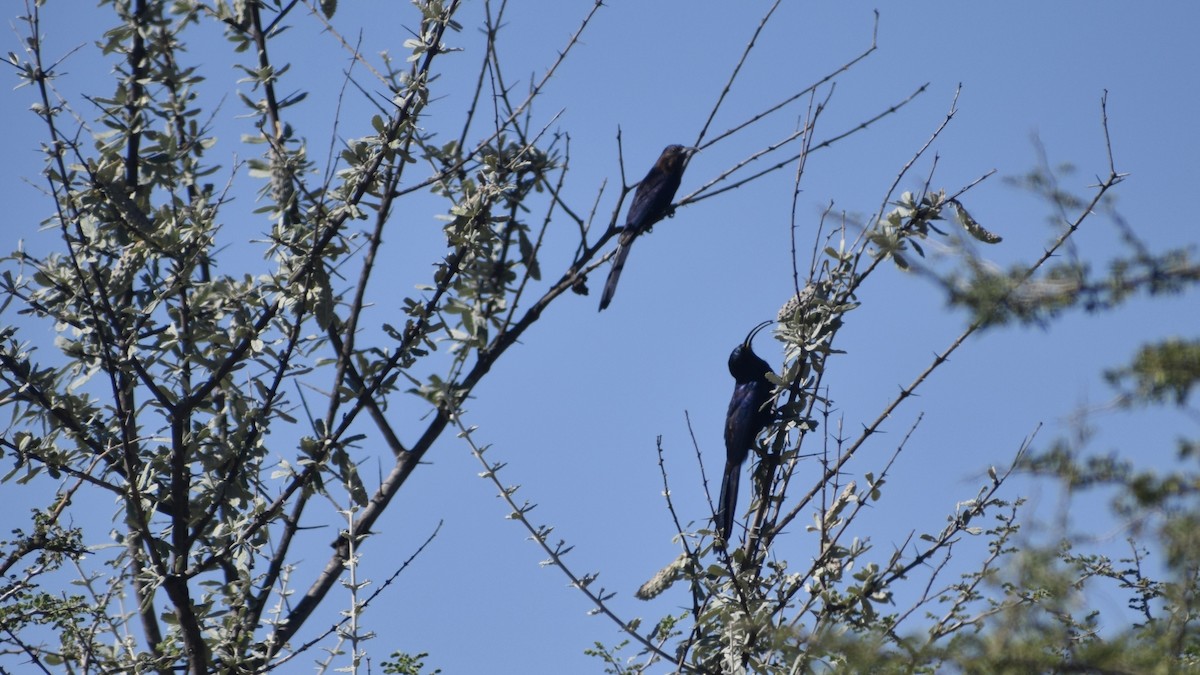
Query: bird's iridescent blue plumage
[651,203]
[749,413]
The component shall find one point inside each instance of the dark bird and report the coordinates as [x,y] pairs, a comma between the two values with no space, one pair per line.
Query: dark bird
[748,415]
[651,203]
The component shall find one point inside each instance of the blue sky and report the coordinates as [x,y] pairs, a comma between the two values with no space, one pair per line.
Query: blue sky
[575,410]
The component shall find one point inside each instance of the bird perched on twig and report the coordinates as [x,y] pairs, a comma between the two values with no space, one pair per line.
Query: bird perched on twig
[651,203]
[748,415]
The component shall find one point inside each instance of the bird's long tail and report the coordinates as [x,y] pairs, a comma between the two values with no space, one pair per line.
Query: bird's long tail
[727,504]
[610,286]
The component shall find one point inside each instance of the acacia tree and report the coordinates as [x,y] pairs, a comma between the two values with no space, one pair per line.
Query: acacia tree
[177,367]
[225,410]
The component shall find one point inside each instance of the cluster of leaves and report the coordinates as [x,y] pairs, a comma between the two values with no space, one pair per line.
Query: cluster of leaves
[1000,297]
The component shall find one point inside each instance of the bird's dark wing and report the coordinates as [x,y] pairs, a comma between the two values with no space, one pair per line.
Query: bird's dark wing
[745,418]
[652,198]
[743,423]
[650,202]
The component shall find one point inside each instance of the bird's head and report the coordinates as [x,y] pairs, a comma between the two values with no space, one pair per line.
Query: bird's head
[744,364]
[675,156]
